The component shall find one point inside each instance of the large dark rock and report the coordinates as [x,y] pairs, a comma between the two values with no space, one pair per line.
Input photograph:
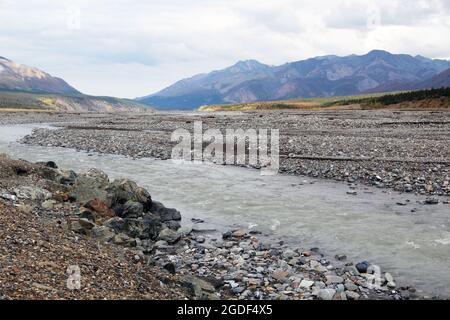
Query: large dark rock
[201,288]
[143,228]
[117,224]
[172,224]
[166,214]
[169,235]
[132,209]
[124,190]
[65,177]
[103,233]
[49,164]
[362,266]
[48,173]
[87,214]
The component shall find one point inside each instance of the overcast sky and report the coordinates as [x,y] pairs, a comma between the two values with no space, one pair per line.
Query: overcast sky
[134,48]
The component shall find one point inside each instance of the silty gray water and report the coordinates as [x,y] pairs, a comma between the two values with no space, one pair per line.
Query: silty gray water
[413,246]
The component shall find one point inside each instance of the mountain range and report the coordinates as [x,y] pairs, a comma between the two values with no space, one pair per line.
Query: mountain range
[26,87]
[250,80]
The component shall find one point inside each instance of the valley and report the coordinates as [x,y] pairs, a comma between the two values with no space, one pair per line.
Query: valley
[386,202]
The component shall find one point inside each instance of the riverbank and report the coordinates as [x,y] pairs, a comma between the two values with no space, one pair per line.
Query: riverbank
[65,218]
[406,151]
[38,250]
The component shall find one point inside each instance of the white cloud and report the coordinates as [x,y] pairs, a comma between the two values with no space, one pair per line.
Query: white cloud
[133,48]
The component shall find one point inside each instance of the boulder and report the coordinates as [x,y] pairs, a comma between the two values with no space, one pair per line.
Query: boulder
[184,231]
[100,209]
[362,266]
[33,193]
[166,214]
[87,214]
[49,164]
[172,224]
[170,267]
[89,186]
[82,226]
[132,209]
[103,233]
[117,224]
[142,228]
[123,240]
[121,191]
[169,235]
[48,173]
[201,289]
[66,177]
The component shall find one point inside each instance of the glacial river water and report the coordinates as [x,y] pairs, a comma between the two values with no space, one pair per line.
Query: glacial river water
[413,246]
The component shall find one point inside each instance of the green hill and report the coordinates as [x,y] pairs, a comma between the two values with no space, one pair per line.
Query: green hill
[66,103]
[430,98]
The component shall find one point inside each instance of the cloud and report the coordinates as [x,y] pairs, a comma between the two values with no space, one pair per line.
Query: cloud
[123,48]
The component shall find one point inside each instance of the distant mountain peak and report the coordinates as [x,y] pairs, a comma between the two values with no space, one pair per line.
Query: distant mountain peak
[327,57]
[248,65]
[251,62]
[378,52]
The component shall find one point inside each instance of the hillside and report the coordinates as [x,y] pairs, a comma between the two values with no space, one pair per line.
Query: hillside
[433,98]
[327,76]
[66,103]
[24,87]
[15,76]
[440,80]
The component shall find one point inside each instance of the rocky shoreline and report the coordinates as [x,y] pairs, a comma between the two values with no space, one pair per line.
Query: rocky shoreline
[407,151]
[83,212]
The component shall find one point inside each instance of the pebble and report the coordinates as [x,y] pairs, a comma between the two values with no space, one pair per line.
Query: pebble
[280,275]
[351,286]
[431,201]
[340,257]
[351,295]
[332,279]
[306,284]
[326,294]
[362,266]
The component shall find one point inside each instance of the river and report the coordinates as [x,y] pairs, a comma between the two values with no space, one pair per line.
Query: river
[304,212]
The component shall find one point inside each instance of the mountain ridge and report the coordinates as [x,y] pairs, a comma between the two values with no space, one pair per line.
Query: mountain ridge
[323,76]
[20,77]
[24,87]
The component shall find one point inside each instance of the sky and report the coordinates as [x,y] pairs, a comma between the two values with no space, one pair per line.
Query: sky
[135,48]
